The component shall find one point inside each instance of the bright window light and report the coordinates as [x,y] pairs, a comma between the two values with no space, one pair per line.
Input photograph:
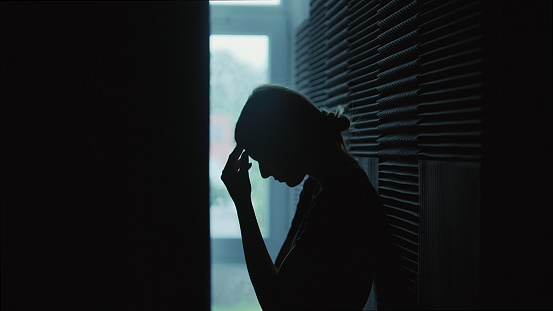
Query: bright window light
[244,2]
[238,64]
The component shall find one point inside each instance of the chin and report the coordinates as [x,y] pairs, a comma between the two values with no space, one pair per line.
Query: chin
[294,182]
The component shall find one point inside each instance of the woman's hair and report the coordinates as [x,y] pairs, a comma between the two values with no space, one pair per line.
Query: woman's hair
[277,118]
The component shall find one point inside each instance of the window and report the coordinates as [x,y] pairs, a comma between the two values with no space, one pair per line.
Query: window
[250,44]
[244,2]
[238,64]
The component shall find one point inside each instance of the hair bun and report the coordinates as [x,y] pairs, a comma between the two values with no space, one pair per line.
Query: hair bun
[335,123]
[342,123]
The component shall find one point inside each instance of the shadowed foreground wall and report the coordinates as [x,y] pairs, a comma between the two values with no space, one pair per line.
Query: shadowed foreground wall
[104,122]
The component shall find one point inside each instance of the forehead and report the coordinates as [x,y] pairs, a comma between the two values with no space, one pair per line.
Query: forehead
[256,155]
[263,155]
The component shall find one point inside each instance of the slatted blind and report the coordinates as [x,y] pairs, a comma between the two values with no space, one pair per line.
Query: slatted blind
[409,75]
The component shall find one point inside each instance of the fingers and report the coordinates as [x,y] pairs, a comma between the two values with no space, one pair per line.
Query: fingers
[238,161]
[245,164]
[244,159]
[236,169]
[233,158]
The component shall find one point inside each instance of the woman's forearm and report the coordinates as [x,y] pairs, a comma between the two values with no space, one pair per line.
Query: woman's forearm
[261,269]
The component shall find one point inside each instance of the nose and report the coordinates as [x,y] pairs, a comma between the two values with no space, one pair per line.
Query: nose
[265,172]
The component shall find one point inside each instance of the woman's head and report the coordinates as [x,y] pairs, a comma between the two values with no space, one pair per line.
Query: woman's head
[282,126]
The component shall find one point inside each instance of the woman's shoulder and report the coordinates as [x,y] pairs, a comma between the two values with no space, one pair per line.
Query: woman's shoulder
[352,178]
[350,191]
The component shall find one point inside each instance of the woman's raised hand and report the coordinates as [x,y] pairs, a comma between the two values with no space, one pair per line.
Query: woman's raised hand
[236,178]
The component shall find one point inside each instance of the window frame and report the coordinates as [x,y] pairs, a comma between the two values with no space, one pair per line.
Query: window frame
[269,20]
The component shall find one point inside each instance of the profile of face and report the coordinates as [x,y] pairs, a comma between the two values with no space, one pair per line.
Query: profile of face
[285,168]
[276,127]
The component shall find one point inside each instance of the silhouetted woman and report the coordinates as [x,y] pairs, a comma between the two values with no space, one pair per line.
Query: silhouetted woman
[333,249]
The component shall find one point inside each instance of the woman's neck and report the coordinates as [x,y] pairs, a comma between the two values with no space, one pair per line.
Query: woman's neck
[329,163]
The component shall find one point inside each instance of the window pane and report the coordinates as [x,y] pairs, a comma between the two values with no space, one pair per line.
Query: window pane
[245,2]
[231,289]
[238,64]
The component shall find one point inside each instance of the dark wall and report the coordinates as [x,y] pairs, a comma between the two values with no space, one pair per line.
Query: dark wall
[516,229]
[454,107]
[104,123]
